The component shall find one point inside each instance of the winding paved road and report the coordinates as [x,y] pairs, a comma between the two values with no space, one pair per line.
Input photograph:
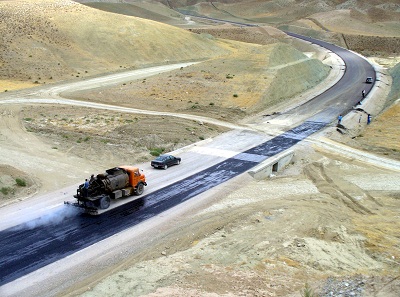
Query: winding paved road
[25,249]
[343,96]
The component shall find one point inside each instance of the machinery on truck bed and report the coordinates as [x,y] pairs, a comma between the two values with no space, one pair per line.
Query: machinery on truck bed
[115,183]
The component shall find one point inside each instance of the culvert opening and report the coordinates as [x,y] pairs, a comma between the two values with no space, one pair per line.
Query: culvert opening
[275,167]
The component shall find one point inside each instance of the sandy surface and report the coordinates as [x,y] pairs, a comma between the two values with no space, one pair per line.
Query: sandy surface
[330,216]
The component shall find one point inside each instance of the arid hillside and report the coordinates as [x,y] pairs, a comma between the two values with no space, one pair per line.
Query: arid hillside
[46,41]
[369,27]
[249,80]
[370,14]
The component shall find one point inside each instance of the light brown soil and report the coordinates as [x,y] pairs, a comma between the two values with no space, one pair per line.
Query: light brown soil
[116,138]
[325,215]
[14,183]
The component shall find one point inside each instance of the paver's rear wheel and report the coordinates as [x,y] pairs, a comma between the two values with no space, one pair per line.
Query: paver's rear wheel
[105,202]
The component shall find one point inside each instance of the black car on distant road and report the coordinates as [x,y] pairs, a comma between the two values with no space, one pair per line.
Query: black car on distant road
[165,161]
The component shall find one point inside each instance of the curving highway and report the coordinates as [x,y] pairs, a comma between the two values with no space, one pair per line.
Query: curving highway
[29,247]
[342,97]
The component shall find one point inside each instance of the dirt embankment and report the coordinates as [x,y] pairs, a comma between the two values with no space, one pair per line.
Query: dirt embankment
[14,183]
[373,45]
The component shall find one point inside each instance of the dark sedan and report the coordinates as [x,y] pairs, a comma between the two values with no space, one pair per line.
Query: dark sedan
[165,161]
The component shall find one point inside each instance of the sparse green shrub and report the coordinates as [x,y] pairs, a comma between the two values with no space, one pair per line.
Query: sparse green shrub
[20,182]
[156,151]
[201,137]
[55,148]
[211,103]
[5,190]
[235,95]
[229,76]
[28,119]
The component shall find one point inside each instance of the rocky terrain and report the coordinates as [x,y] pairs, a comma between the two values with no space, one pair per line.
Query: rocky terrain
[327,224]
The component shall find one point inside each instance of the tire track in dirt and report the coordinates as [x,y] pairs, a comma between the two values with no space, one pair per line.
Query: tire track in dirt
[316,172]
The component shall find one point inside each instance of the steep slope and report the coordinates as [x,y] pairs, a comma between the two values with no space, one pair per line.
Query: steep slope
[151,10]
[43,41]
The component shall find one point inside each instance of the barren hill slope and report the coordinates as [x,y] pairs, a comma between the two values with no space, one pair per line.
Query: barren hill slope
[43,41]
[367,26]
[369,12]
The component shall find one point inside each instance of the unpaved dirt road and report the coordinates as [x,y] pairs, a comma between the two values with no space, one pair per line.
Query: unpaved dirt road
[54,94]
